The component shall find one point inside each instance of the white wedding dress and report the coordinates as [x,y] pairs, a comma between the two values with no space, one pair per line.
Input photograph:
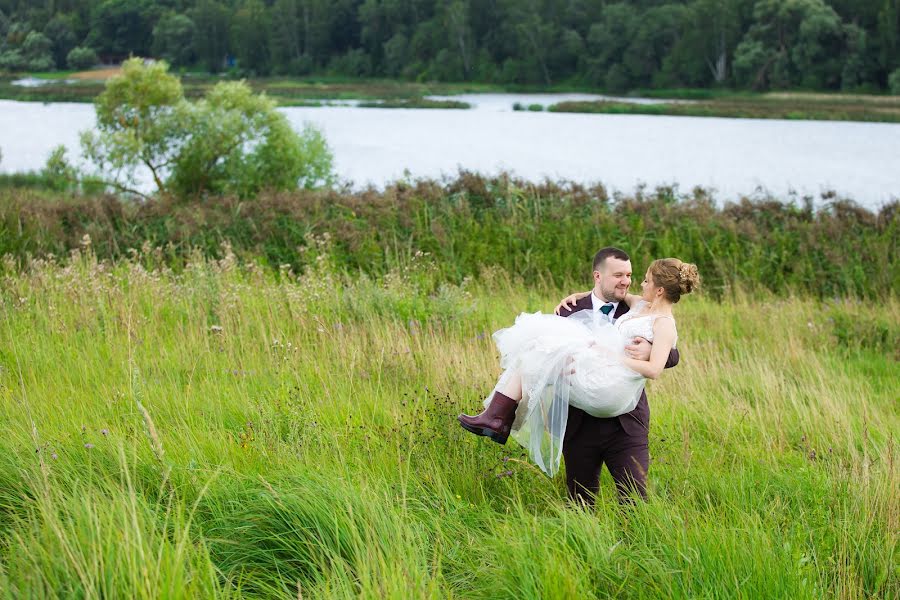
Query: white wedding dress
[569,361]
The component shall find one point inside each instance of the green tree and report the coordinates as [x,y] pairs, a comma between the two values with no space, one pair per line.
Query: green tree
[656,35]
[396,55]
[240,143]
[456,22]
[286,35]
[212,23]
[854,72]
[120,28]
[534,37]
[173,39]
[888,34]
[141,117]
[60,31]
[231,141]
[58,173]
[607,41]
[82,58]
[32,55]
[894,82]
[703,53]
[252,34]
[792,42]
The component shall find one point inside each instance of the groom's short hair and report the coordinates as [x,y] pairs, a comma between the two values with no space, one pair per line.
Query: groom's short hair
[609,251]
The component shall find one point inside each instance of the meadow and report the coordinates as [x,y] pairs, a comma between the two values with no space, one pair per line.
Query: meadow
[224,429]
[213,397]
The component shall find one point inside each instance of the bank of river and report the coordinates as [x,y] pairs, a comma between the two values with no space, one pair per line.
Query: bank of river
[84,86]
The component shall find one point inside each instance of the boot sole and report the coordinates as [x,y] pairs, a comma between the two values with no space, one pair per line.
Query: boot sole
[484,431]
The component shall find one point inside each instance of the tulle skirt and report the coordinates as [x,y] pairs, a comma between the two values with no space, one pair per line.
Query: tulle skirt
[563,361]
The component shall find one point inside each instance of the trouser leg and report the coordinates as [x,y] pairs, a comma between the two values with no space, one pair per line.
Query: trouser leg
[583,466]
[584,450]
[628,461]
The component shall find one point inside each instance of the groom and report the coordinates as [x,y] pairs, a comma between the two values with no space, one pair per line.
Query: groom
[619,442]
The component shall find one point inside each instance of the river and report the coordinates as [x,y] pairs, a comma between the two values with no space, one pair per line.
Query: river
[734,157]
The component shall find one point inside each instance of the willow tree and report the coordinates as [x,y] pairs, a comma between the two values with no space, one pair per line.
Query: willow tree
[231,141]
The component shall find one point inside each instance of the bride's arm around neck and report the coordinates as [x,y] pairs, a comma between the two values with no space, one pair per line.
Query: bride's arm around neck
[631,300]
[663,341]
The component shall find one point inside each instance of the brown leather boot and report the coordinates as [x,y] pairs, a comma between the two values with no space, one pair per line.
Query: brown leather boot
[494,421]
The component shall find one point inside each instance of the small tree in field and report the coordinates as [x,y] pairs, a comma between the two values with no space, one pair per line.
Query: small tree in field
[231,141]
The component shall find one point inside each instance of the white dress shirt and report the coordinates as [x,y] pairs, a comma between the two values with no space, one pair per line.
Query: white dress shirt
[598,303]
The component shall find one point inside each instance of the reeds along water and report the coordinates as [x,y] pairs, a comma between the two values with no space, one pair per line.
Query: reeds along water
[542,232]
[225,429]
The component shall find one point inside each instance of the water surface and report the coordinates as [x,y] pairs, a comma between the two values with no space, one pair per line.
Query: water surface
[733,156]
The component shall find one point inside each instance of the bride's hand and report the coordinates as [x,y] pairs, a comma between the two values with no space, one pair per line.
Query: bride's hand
[571,299]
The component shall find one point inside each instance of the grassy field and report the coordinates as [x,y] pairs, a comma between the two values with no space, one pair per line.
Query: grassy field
[84,86]
[232,431]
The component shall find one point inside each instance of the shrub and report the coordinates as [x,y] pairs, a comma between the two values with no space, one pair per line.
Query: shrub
[82,58]
[894,82]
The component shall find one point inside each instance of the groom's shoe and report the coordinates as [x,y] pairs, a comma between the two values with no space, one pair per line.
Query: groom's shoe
[495,421]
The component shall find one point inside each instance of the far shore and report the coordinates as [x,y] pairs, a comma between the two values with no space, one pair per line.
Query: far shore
[84,86]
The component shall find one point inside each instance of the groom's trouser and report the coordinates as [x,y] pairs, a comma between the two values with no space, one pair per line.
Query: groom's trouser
[591,442]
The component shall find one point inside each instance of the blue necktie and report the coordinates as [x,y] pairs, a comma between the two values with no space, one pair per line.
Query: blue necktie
[606,309]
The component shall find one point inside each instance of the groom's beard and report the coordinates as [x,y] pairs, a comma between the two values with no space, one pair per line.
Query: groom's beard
[613,294]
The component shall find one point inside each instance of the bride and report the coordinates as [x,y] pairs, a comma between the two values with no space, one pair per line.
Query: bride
[550,362]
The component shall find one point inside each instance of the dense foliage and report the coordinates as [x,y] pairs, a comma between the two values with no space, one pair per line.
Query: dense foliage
[818,44]
[544,232]
[230,141]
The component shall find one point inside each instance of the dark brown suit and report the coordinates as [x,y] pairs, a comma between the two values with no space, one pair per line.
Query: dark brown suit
[620,442]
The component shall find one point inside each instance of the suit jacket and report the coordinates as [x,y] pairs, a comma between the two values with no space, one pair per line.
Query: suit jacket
[636,422]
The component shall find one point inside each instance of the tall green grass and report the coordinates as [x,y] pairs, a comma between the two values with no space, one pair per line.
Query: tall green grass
[224,429]
[543,232]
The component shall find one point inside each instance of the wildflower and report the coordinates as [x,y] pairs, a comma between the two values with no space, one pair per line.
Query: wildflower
[89,445]
[216,329]
[54,456]
[104,432]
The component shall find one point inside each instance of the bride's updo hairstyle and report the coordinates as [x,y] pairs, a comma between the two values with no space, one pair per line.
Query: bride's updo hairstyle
[676,278]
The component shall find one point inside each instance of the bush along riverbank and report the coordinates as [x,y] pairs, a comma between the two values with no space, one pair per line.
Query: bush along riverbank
[546,231]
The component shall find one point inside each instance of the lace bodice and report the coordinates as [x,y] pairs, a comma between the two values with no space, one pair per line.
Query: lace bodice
[637,323]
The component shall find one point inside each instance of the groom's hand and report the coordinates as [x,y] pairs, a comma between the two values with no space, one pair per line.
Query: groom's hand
[638,349]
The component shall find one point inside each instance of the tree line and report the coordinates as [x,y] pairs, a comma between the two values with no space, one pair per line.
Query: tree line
[851,45]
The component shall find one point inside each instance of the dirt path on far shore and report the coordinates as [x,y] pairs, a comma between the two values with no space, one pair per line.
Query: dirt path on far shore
[96,74]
